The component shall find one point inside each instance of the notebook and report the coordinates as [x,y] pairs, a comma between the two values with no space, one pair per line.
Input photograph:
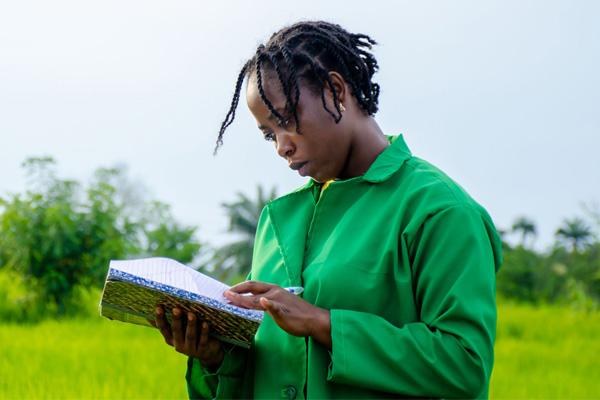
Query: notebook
[134,288]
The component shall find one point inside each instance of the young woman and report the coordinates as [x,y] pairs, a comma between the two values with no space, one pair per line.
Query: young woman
[396,260]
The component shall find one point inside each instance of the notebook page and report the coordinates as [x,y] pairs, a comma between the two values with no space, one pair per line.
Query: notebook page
[173,273]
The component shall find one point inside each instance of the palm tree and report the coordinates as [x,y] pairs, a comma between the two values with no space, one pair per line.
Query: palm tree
[526,226]
[233,260]
[575,231]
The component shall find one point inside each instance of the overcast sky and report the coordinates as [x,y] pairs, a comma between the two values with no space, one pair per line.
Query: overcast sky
[504,96]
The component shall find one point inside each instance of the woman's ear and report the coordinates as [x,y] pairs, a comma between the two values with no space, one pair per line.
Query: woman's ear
[339,85]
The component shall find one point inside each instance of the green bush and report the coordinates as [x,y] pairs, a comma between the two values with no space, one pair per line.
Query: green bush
[17,302]
[21,302]
[59,236]
[561,275]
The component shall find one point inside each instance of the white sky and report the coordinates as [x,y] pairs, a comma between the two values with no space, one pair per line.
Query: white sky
[504,96]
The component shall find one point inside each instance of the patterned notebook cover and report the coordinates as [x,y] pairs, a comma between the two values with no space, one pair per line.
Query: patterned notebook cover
[133,299]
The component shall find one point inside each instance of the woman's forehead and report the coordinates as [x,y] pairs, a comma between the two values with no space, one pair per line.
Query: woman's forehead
[271,88]
[270,84]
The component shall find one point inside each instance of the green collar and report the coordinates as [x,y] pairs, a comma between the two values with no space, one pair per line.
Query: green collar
[386,163]
[389,161]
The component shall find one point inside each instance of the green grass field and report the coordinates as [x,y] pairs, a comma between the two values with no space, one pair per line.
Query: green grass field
[88,359]
[547,352]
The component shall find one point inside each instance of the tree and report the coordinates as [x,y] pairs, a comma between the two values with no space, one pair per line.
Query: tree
[54,239]
[58,235]
[575,231]
[518,277]
[106,230]
[165,237]
[156,232]
[526,227]
[234,260]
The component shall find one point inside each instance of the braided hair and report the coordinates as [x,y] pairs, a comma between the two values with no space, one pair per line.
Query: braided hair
[310,50]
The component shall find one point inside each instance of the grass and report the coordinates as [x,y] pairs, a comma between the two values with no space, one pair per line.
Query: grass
[88,359]
[545,352]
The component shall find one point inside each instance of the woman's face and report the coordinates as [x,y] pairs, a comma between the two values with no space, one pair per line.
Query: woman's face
[322,150]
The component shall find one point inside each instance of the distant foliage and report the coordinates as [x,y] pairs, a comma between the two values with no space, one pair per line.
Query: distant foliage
[576,232]
[59,235]
[568,272]
[525,227]
[232,262]
[165,237]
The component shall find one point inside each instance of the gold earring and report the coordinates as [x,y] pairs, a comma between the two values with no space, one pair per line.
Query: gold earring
[342,108]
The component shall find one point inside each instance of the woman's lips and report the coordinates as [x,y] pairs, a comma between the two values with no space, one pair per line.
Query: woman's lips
[300,167]
[303,171]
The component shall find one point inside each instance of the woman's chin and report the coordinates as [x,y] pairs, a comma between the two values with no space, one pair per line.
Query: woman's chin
[320,179]
[320,176]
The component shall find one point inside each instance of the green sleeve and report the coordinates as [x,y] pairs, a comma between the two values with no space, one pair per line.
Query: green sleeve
[449,351]
[226,382]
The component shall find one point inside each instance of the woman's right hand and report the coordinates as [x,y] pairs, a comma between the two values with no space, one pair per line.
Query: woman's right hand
[190,339]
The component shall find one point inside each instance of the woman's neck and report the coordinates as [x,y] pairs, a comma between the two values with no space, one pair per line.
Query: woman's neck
[367,143]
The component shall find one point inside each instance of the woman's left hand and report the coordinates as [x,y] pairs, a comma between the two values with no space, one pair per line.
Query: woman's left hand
[292,313]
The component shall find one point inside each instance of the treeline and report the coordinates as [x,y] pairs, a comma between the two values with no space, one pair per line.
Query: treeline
[57,238]
[567,272]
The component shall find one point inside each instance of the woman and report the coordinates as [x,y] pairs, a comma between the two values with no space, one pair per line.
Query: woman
[397,261]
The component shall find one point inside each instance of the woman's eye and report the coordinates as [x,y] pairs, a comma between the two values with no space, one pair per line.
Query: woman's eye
[285,123]
[269,136]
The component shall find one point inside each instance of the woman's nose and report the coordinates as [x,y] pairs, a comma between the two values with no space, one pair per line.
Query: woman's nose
[285,146]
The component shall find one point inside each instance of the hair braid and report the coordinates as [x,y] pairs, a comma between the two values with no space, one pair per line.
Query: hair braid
[234,103]
[309,50]
[282,81]
[323,76]
[294,84]
[345,71]
[366,67]
[261,89]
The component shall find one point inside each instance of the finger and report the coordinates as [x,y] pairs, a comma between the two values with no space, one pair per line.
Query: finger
[210,351]
[163,326]
[203,336]
[177,328]
[254,287]
[248,301]
[269,305]
[276,309]
[191,333]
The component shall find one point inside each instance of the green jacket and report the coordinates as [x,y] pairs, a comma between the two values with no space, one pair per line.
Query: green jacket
[404,259]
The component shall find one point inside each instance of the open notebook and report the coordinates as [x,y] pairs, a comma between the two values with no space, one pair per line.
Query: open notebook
[134,288]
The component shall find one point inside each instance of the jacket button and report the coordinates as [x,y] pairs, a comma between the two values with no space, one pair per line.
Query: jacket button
[289,392]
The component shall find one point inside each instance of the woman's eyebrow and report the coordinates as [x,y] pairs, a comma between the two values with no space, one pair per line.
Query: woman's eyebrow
[272,117]
[280,110]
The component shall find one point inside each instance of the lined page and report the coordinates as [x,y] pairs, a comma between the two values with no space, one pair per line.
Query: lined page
[172,273]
